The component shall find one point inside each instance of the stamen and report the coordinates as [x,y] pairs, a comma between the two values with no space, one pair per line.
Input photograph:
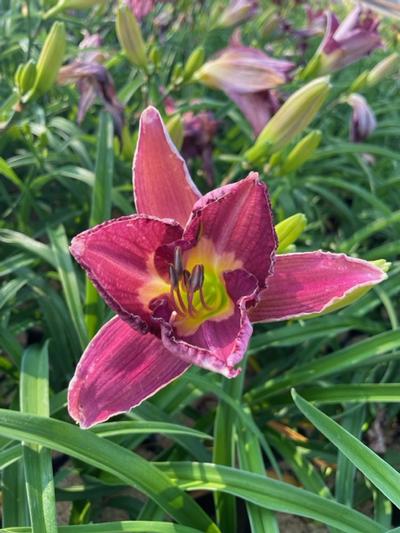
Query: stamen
[173,277]
[196,279]
[178,261]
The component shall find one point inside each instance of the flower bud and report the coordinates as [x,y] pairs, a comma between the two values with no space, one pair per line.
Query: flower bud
[360,82]
[50,59]
[302,152]
[176,130]
[383,69]
[291,119]
[62,5]
[194,62]
[237,11]
[25,78]
[289,230]
[130,37]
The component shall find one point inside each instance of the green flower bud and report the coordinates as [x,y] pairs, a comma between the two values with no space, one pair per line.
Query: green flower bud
[175,129]
[194,62]
[130,37]
[302,152]
[383,69]
[291,119]
[28,77]
[50,59]
[360,82]
[62,5]
[289,230]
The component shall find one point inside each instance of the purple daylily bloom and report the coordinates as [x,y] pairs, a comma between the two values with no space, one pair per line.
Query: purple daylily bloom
[92,80]
[348,41]
[186,276]
[248,76]
[363,121]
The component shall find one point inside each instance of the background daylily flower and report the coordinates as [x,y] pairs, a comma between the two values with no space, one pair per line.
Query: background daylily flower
[186,276]
[348,41]
[247,75]
[92,80]
[363,121]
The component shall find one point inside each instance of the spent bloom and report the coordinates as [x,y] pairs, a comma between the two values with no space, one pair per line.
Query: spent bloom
[363,121]
[348,41]
[92,80]
[186,277]
[247,75]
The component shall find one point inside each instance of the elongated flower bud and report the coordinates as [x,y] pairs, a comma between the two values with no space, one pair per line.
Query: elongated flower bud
[175,129]
[25,77]
[237,11]
[62,5]
[302,152]
[289,230]
[50,59]
[194,62]
[130,37]
[383,69]
[291,119]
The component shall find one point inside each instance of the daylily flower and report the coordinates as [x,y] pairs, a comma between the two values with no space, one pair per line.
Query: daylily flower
[247,75]
[141,8]
[363,121]
[348,41]
[92,80]
[186,276]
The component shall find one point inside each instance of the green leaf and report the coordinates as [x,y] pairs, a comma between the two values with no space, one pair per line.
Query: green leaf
[69,282]
[100,453]
[269,494]
[116,527]
[34,399]
[100,211]
[380,473]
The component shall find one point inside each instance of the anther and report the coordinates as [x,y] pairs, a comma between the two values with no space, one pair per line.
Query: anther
[178,261]
[186,279]
[173,277]
[196,279]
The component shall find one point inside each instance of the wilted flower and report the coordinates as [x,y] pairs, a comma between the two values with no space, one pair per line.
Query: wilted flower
[93,80]
[186,276]
[246,75]
[363,121]
[348,41]
[237,11]
[198,134]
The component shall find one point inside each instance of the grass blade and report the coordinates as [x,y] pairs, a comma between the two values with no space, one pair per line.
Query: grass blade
[34,399]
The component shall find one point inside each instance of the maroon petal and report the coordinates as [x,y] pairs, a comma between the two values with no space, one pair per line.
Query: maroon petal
[162,184]
[219,345]
[257,107]
[237,218]
[307,283]
[118,257]
[119,369]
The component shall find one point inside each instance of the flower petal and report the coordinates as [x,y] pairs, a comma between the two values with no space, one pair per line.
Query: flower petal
[118,257]
[162,183]
[257,107]
[119,369]
[218,345]
[237,218]
[313,282]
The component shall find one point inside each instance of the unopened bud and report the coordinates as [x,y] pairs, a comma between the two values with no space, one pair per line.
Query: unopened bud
[130,37]
[289,230]
[291,119]
[302,152]
[383,69]
[194,62]
[360,82]
[175,130]
[50,59]
[237,11]
[62,5]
